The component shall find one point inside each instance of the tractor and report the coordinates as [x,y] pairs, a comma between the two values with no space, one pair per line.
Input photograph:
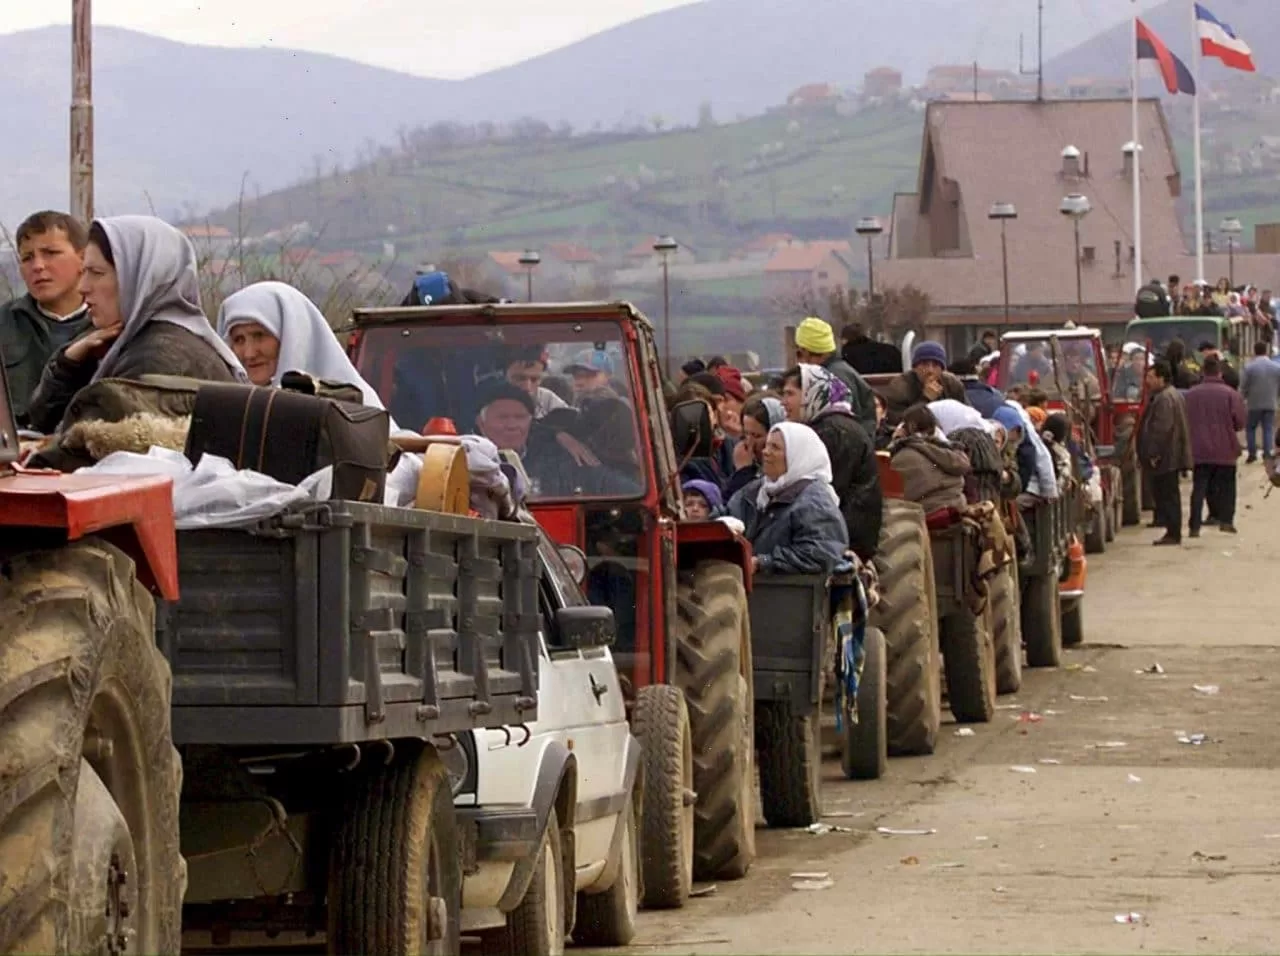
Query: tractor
[604,483]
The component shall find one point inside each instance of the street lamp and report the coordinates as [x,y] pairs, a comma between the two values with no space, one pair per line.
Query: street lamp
[1075,207]
[870,227]
[1003,212]
[1231,228]
[664,246]
[529,259]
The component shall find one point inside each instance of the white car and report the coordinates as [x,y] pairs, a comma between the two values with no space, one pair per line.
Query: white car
[550,822]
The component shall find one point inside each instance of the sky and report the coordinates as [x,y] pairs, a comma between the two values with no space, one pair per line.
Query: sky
[442,38]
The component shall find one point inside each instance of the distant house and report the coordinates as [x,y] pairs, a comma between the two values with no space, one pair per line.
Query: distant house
[577,262]
[814,267]
[764,247]
[882,82]
[813,95]
[507,262]
[964,78]
[943,243]
[210,240]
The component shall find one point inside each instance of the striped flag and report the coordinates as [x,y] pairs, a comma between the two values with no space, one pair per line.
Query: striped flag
[1177,78]
[1217,39]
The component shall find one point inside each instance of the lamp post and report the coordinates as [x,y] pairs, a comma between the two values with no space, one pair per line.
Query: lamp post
[1231,228]
[529,259]
[870,227]
[664,246]
[1075,207]
[1003,212]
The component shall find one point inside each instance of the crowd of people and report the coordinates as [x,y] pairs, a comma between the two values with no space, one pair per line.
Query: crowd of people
[796,462]
[1247,302]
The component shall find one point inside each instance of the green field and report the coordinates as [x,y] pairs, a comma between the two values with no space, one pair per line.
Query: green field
[810,174]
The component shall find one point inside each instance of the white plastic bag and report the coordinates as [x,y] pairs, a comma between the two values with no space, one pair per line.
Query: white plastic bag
[213,494]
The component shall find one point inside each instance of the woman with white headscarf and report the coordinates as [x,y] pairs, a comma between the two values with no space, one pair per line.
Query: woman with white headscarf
[273,329]
[791,515]
[140,285]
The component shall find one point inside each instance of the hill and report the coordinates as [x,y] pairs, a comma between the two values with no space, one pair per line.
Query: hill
[178,125]
[810,174]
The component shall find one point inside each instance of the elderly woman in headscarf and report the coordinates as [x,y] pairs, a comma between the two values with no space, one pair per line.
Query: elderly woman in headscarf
[816,397]
[791,514]
[759,414]
[965,428]
[140,285]
[273,329]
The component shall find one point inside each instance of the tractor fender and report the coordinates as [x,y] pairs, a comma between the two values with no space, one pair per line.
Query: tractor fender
[556,787]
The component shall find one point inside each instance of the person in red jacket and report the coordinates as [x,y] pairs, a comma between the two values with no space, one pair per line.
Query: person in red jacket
[1216,413]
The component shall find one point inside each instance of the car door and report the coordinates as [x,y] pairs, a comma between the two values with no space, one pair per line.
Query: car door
[598,730]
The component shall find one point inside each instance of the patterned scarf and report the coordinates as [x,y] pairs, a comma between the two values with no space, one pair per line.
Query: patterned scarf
[823,392]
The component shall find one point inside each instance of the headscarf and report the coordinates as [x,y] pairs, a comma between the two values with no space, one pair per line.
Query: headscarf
[1007,417]
[775,410]
[709,491]
[823,392]
[1044,482]
[807,460]
[953,416]
[307,343]
[156,272]
[1037,415]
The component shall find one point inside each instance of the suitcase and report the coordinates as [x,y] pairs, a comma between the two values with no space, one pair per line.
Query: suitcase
[289,435]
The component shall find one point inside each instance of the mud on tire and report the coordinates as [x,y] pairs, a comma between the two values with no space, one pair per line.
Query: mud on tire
[661,723]
[907,615]
[790,751]
[713,649]
[1006,626]
[969,657]
[82,685]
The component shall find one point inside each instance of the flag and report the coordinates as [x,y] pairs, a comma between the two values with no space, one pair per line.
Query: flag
[1217,39]
[1177,78]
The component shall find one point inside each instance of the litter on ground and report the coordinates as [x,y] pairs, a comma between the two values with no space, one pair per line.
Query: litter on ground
[1128,917]
[966,732]
[1023,769]
[893,831]
[1089,700]
[1209,690]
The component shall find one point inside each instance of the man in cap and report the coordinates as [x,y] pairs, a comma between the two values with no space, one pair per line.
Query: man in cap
[506,419]
[526,368]
[1152,301]
[816,345]
[927,381]
[591,370]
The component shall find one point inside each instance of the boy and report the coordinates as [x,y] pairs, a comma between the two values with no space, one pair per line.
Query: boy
[52,313]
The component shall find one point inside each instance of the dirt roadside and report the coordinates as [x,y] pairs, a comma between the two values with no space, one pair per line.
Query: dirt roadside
[1117,817]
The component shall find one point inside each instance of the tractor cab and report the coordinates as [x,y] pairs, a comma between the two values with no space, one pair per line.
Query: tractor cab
[1232,338]
[575,391]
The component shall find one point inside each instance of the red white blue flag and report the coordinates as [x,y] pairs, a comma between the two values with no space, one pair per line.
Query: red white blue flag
[1217,39]
[1177,78]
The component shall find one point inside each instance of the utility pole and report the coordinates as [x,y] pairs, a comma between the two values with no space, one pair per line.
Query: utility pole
[1039,53]
[82,110]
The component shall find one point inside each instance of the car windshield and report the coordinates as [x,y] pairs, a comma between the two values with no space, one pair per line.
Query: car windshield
[1030,363]
[559,395]
[1193,334]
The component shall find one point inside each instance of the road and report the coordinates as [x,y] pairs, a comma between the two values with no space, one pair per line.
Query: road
[1109,815]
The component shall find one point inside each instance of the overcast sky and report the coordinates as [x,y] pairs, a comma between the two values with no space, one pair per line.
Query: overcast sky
[447,38]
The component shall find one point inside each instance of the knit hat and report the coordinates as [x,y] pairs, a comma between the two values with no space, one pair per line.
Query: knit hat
[1038,415]
[815,336]
[715,501]
[732,380]
[929,352]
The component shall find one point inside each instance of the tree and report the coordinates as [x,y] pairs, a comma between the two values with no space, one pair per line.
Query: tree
[890,312]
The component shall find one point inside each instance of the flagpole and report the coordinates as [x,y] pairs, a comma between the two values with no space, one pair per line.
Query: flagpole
[1195,122]
[1137,161]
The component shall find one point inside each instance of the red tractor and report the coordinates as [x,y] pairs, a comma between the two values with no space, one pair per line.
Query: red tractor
[678,589]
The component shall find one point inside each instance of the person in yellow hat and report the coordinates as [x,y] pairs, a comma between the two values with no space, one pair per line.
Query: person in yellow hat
[816,345]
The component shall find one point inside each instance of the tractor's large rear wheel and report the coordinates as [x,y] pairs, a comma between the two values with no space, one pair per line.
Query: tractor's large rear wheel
[864,751]
[89,779]
[660,722]
[1042,621]
[790,750]
[907,616]
[713,648]
[1006,627]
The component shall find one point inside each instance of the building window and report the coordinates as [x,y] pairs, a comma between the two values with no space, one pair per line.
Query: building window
[822,276]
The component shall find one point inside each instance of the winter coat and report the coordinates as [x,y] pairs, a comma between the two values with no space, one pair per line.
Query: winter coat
[907,390]
[985,398]
[1215,413]
[862,398]
[855,478]
[160,348]
[1260,384]
[28,339]
[1164,443]
[801,531]
[933,473]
